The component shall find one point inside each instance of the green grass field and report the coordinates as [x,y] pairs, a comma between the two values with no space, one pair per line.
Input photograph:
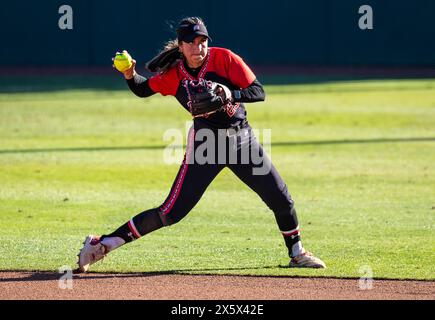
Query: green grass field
[83,155]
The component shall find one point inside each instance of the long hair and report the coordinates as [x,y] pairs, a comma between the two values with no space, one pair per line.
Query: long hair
[170,55]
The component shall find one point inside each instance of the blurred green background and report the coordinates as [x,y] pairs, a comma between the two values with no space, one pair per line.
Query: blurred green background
[82,154]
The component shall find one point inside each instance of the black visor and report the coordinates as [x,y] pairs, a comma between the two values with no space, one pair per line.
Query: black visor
[188,32]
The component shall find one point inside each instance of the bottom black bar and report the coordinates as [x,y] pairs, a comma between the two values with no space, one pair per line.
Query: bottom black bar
[217,309]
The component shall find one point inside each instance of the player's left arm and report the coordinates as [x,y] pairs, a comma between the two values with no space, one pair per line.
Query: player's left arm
[250,89]
[253,93]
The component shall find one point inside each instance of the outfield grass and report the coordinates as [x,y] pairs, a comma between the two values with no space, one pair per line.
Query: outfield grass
[358,158]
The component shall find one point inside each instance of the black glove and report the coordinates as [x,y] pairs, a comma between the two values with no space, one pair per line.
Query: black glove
[206,97]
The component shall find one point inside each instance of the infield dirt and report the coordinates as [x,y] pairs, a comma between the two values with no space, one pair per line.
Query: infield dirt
[146,286]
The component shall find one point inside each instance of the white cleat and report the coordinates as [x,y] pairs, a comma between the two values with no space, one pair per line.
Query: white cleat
[307,260]
[91,252]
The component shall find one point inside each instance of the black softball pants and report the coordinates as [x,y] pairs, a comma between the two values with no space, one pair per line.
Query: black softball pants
[194,177]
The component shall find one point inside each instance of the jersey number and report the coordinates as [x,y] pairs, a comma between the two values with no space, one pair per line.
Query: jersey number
[231,108]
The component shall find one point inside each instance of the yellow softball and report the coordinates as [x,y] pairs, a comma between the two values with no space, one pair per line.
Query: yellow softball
[122,61]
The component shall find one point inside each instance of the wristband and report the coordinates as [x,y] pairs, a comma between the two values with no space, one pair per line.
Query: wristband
[237,94]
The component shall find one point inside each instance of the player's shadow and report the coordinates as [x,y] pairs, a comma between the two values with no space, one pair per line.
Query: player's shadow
[354,141]
[277,144]
[53,276]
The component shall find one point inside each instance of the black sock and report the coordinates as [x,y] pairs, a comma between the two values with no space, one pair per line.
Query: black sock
[290,241]
[142,224]
[288,224]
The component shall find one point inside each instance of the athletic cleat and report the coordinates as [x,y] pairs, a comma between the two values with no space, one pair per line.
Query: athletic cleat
[306,260]
[91,252]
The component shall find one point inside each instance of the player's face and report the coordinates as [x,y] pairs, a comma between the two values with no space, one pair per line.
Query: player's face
[195,52]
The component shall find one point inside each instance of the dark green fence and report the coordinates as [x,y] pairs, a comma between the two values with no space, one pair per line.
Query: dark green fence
[274,32]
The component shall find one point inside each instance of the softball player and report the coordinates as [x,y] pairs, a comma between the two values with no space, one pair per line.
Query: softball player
[185,65]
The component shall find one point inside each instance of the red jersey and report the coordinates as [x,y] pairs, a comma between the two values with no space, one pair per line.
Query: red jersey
[221,66]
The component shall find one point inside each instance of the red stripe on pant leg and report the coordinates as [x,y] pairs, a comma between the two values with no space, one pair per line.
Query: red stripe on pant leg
[133,230]
[291,234]
[169,203]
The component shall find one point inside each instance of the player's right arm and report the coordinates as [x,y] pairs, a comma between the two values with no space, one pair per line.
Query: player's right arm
[138,84]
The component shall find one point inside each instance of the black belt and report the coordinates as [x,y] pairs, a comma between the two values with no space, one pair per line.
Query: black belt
[233,131]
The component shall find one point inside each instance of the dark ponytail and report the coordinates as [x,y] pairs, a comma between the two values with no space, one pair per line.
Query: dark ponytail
[165,60]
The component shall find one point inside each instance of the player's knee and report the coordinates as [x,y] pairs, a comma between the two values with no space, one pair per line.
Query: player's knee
[168,221]
[170,218]
[281,201]
[284,210]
